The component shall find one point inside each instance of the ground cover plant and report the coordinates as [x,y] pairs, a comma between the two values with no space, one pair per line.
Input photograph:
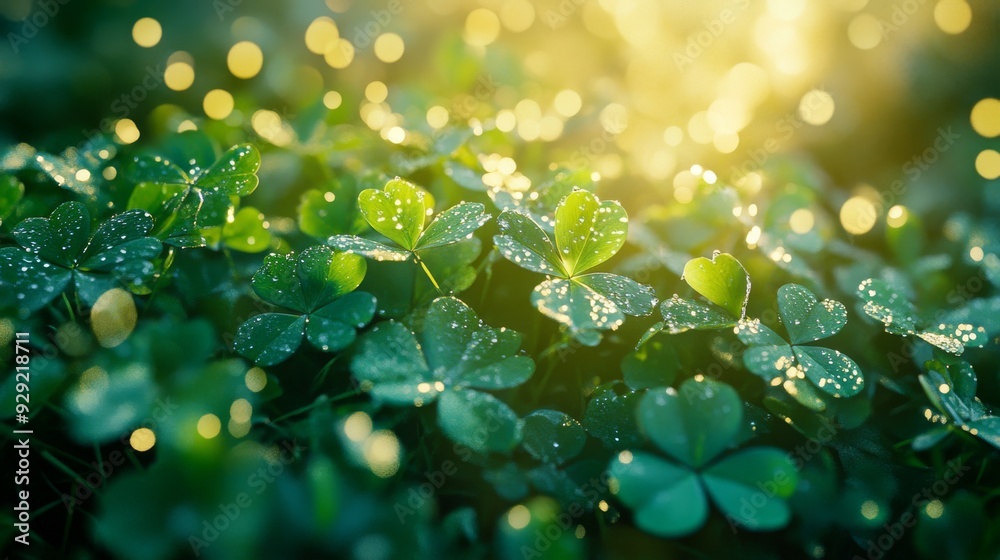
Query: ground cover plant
[385,322]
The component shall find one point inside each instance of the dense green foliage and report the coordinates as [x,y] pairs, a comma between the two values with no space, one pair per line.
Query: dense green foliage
[419,413]
[475,279]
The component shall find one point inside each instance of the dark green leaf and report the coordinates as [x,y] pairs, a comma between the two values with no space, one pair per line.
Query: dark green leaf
[807,319]
[695,424]
[552,436]
[478,420]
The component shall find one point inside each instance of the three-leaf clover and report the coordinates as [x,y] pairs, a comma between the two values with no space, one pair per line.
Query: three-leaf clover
[806,320]
[723,281]
[887,305]
[693,427]
[587,233]
[454,358]
[951,388]
[183,202]
[318,286]
[398,212]
[60,249]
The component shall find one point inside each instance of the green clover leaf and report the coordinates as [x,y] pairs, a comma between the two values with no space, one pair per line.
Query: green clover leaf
[722,281]
[951,388]
[60,249]
[885,304]
[610,416]
[455,356]
[185,203]
[247,231]
[552,436]
[398,212]
[79,170]
[694,427]
[11,192]
[334,211]
[587,232]
[807,320]
[319,287]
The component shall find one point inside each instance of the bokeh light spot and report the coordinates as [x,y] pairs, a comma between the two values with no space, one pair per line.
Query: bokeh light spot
[985,117]
[988,164]
[518,517]
[952,16]
[142,439]
[147,32]
[218,104]
[389,47]
[816,107]
[245,60]
[857,215]
[482,27]
[209,426]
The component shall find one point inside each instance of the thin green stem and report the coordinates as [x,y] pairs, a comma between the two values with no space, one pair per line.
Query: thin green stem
[562,342]
[315,404]
[69,307]
[427,271]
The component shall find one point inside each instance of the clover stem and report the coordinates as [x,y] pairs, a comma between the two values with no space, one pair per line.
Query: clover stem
[69,307]
[559,344]
[168,261]
[316,403]
[427,271]
[489,276]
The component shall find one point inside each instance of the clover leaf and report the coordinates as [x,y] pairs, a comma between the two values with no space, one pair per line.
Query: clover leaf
[885,304]
[694,427]
[553,437]
[318,285]
[455,357]
[587,232]
[545,197]
[653,364]
[398,212]
[610,416]
[247,231]
[951,388]
[185,202]
[333,211]
[807,320]
[79,170]
[11,192]
[723,281]
[60,249]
